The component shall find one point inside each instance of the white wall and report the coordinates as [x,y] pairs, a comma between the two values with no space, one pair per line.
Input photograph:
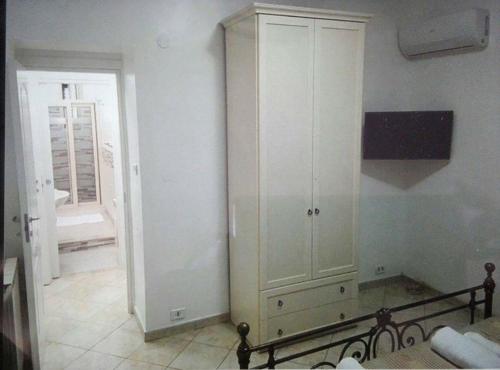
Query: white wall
[455,213]
[181,131]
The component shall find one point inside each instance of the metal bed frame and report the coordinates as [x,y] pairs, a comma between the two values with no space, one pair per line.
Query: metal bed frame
[369,340]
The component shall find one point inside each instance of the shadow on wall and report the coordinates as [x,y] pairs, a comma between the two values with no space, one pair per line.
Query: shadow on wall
[401,173]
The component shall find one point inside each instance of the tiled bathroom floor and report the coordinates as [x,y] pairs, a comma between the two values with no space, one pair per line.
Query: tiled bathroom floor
[85,231]
[88,327]
[90,259]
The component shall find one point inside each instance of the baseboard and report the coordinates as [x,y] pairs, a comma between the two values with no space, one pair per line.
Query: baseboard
[181,328]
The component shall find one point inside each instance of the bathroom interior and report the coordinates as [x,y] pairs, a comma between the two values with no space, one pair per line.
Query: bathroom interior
[76,118]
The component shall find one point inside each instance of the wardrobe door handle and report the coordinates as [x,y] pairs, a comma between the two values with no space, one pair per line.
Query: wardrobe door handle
[309,212]
[342,290]
[280,303]
[316,211]
[280,332]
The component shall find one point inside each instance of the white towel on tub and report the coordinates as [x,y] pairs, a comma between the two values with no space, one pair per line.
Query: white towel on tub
[478,338]
[462,351]
[349,363]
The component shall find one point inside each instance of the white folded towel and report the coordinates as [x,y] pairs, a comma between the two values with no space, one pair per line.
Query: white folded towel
[478,338]
[349,363]
[463,351]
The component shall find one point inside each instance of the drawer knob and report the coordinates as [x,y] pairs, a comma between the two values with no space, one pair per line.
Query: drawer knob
[342,316]
[280,303]
[342,290]
[280,332]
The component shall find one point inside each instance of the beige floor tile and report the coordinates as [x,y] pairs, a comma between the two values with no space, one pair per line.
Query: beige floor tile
[308,360]
[120,343]
[111,315]
[52,305]
[86,335]
[221,335]
[160,352]
[372,298]
[200,356]
[77,290]
[132,325]
[95,361]
[187,335]
[78,310]
[105,294]
[56,286]
[109,277]
[396,294]
[137,365]
[291,365]
[231,360]
[122,299]
[56,327]
[57,356]
[334,353]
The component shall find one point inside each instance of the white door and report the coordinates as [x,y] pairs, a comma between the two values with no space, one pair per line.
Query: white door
[29,188]
[285,134]
[337,136]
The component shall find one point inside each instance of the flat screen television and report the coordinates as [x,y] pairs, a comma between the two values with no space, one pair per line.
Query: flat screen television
[408,135]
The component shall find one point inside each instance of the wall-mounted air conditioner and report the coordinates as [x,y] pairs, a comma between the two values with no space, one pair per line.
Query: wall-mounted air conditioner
[449,34]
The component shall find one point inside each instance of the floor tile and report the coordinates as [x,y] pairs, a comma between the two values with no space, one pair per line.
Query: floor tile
[308,360]
[111,315]
[86,335]
[334,353]
[187,335]
[372,297]
[100,257]
[221,335]
[231,360]
[95,361]
[290,365]
[136,365]
[132,325]
[78,310]
[160,352]
[76,290]
[105,294]
[57,356]
[200,356]
[56,327]
[56,286]
[120,343]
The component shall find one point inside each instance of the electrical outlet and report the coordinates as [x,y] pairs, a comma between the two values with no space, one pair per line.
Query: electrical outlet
[380,270]
[177,314]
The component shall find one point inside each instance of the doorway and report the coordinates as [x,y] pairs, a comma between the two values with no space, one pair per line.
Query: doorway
[77,151]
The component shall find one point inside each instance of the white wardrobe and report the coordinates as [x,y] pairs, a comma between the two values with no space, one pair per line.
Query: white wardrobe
[294,95]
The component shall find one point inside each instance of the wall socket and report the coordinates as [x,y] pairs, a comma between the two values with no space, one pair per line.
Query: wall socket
[379,270]
[178,314]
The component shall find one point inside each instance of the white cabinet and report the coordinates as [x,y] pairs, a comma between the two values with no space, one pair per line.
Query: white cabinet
[294,89]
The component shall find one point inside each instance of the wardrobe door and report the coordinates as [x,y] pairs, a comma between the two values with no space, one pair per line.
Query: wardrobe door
[285,139]
[337,136]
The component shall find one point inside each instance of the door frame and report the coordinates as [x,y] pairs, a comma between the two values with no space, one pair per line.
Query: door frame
[74,61]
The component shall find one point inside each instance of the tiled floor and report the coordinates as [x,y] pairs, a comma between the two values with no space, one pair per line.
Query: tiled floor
[90,259]
[89,328]
[85,231]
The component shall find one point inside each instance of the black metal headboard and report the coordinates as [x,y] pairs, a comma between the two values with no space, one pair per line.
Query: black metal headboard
[397,332]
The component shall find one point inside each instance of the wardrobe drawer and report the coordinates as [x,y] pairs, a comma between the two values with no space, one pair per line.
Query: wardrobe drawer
[296,322]
[309,297]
